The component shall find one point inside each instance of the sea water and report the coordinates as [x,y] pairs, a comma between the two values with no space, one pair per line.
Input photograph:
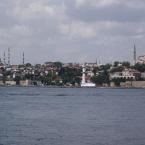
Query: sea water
[71,116]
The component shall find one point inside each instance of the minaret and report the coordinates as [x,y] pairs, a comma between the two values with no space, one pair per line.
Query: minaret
[9,56]
[23,58]
[83,75]
[96,61]
[4,59]
[134,54]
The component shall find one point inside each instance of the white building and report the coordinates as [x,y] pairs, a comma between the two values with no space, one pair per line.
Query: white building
[125,74]
[141,59]
[143,75]
[84,83]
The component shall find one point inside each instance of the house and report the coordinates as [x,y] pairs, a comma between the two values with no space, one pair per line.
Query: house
[141,59]
[125,74]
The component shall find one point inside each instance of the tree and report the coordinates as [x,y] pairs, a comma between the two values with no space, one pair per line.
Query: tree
[70,75]
[105,67]
[4,77]
[95,70]
[117,81]
[116,63]
[97,80]
[58,64]
[28,64]
[126,64]
[117,69]
[103,77]
[28,76]
[17,80]
[140,67]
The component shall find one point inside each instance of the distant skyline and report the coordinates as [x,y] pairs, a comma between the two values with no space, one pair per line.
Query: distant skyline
[72,30]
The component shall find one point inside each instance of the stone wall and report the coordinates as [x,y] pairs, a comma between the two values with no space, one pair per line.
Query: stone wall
[136,84]
[25,83]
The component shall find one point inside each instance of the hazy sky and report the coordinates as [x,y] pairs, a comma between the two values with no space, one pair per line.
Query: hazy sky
[72,30]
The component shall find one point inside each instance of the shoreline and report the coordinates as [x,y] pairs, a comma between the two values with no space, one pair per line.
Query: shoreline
[37,86]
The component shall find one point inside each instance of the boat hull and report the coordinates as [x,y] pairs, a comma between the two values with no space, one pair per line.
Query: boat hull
[88,85]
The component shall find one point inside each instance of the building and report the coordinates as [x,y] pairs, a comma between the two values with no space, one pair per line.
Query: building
[143,75]
[84,83]
[1,65]
[141,59]
[125,74]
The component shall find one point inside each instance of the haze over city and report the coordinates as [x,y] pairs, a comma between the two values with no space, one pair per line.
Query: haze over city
[72,30]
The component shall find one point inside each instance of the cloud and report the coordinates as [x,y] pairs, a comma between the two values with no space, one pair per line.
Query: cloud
[78,30]
[74,30]
[120,12]
[33,10]
[96,3]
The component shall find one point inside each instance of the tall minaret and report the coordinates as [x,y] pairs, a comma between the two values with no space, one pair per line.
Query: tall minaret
[23,58]
[96,61]
[134,53]
[9,55]
[4,59]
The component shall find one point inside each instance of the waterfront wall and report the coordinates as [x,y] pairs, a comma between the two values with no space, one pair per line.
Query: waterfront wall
[11,83]
[135,84]
[25,83]
[1,83]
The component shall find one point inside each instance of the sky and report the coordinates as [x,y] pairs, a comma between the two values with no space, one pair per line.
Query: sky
[72,30]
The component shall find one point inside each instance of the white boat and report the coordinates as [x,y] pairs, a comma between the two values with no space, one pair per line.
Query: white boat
[84,83]
[88,85]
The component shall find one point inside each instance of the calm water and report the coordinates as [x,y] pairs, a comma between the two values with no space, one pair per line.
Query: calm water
[59,116]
